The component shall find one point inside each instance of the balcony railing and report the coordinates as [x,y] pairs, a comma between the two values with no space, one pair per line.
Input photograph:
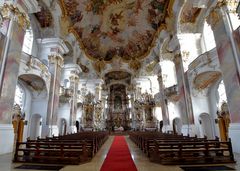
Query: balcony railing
[203,59]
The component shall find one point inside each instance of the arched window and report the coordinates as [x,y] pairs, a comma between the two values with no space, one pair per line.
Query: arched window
[28,42]
[208,37]
[222,94]
[19,96]
[168,73]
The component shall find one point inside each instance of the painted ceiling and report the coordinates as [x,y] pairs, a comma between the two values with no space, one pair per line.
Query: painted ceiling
[108,28]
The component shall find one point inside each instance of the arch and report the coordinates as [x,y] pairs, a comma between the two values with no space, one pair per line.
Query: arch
[206,79]
[206,125]
[33,82]
[177,126]
[63,126]
[35,126]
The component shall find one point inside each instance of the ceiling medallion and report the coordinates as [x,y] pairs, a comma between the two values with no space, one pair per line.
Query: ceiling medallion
[108,28]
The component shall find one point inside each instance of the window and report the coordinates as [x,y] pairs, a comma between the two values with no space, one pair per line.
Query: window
[19,96]
[28,42]
[233,16]
[222,94]
[208,37]
[168,73]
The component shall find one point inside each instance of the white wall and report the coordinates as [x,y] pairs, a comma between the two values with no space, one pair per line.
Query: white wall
[64,112]
[40,106]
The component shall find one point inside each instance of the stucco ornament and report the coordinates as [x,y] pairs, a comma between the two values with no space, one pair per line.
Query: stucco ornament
[213,18]
[9,10]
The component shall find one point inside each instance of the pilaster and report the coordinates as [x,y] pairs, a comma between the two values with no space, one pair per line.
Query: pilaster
[56,62]
[74,80]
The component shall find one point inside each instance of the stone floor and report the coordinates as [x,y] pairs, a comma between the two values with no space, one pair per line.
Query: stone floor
[139,158]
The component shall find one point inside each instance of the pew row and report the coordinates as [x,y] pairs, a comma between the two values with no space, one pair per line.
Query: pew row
[69,149]
[178,149]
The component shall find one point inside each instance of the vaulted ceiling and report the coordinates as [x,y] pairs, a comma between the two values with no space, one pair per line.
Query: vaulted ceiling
[106,28]
[110,38]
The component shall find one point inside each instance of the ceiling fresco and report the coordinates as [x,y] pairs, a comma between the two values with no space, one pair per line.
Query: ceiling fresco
[108,28]
[118,76]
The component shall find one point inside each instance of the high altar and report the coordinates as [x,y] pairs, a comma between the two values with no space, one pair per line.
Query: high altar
[118,111]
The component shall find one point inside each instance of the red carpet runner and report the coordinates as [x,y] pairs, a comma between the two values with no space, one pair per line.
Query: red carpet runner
[119,157]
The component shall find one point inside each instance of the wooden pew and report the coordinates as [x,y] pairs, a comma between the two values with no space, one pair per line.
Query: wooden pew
[179,149]
[192,152]
[68,149]
[51,152]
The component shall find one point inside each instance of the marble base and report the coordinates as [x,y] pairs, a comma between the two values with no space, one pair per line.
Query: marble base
[234,134]
[188,130]
[53,131]
[72,129]
[88,129]
[6,138]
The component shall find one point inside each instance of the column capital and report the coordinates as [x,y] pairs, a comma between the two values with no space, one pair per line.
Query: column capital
[159,78]
[9,11]
[215,14]
[213,18]
[157,69]
[56,59]
[177,58]
[74,77]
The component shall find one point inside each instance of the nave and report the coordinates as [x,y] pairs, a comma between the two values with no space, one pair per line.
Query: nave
[141,161]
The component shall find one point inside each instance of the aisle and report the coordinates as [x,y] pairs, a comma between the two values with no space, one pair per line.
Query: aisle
[119,157]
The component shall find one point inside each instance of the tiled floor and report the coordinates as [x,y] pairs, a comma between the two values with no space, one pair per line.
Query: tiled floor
[139,158]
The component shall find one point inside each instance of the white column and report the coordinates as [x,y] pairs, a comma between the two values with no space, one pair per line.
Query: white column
[228,54]
[74,80]
[15,22]
[51,50]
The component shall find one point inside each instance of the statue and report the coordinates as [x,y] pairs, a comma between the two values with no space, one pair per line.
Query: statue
[18,123]
[224,121]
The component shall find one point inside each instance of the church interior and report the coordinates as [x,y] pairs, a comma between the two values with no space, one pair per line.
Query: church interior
[160,76]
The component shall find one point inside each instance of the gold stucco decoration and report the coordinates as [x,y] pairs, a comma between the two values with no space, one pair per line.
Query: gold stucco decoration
[9,10]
